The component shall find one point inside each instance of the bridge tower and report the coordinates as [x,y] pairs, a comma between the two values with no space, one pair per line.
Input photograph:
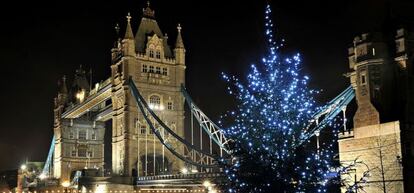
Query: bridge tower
[382,136]
[158,73]
[78,142]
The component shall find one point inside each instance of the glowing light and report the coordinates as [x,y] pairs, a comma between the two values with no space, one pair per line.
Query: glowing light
[207,184]
[66,184]
[23,167]
[275,104]
[184,170]
[80,95]
[101,188]
[42,176]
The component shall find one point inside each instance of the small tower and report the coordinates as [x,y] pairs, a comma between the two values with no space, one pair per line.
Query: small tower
[60,100]
[80,86]
[128,43]
[179,50]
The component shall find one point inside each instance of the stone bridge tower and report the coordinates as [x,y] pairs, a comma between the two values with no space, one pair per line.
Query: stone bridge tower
[158,71]
[383,134]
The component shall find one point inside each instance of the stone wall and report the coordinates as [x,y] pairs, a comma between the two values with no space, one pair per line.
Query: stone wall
[378,148]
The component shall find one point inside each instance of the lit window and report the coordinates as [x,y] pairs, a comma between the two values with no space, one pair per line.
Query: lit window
[164,71]
[82,152]
[82,135]
[151,69]
[144,68]
[158,70]
[155,102]
[151,53]
[143,129]
[158,54]
[170,106]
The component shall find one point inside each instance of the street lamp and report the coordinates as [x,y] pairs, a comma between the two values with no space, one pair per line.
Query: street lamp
[207,184]
[42,176]
[23,167]
[66,184]
[184,170]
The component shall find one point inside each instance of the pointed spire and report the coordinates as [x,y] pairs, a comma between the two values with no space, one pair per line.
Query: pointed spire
[179,42]
[63,87]
[128,33]
[117,29]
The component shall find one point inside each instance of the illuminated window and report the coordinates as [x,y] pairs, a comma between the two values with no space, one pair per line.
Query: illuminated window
[144,68]
[82,135]
[158,70]
[164,71]
[155,102]
[151,53]
[82,151]
[143,129]
[170,105]
[158,54]
[151,69]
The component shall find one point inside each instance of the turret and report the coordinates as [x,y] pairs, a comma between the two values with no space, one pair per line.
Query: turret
[63,91]
[80,86]
[179,51]
[60,100]
[128,43]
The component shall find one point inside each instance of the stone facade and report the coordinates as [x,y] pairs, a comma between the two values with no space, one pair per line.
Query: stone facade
[79,144]
[383,136]
[147,59]
[378,147]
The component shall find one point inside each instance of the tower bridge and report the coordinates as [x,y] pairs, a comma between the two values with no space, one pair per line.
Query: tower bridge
[145,98]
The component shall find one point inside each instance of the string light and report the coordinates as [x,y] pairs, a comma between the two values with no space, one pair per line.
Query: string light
[275,106]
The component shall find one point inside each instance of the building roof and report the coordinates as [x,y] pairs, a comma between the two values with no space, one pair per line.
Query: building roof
[80,81]
[179,42]
[149,27]
[128,31]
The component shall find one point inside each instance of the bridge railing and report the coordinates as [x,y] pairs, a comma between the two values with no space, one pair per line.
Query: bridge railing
[208,175]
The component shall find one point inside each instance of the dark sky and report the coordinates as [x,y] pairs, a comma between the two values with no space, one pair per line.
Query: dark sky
[40,42]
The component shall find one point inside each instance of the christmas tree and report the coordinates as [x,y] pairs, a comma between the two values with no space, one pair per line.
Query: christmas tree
[275,105]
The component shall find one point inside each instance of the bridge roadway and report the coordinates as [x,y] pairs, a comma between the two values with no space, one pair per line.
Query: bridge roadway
[97,96]
[185,182]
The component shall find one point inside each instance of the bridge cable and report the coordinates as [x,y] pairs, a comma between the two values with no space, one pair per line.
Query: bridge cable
[144,106]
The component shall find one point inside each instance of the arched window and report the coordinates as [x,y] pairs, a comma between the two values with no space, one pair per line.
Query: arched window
[170,105]
[155,102]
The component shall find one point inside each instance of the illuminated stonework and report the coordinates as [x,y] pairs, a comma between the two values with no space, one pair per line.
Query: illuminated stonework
[79,144]
[158,73]
[383,137]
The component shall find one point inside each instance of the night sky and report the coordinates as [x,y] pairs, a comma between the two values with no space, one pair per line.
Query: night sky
[40,42]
